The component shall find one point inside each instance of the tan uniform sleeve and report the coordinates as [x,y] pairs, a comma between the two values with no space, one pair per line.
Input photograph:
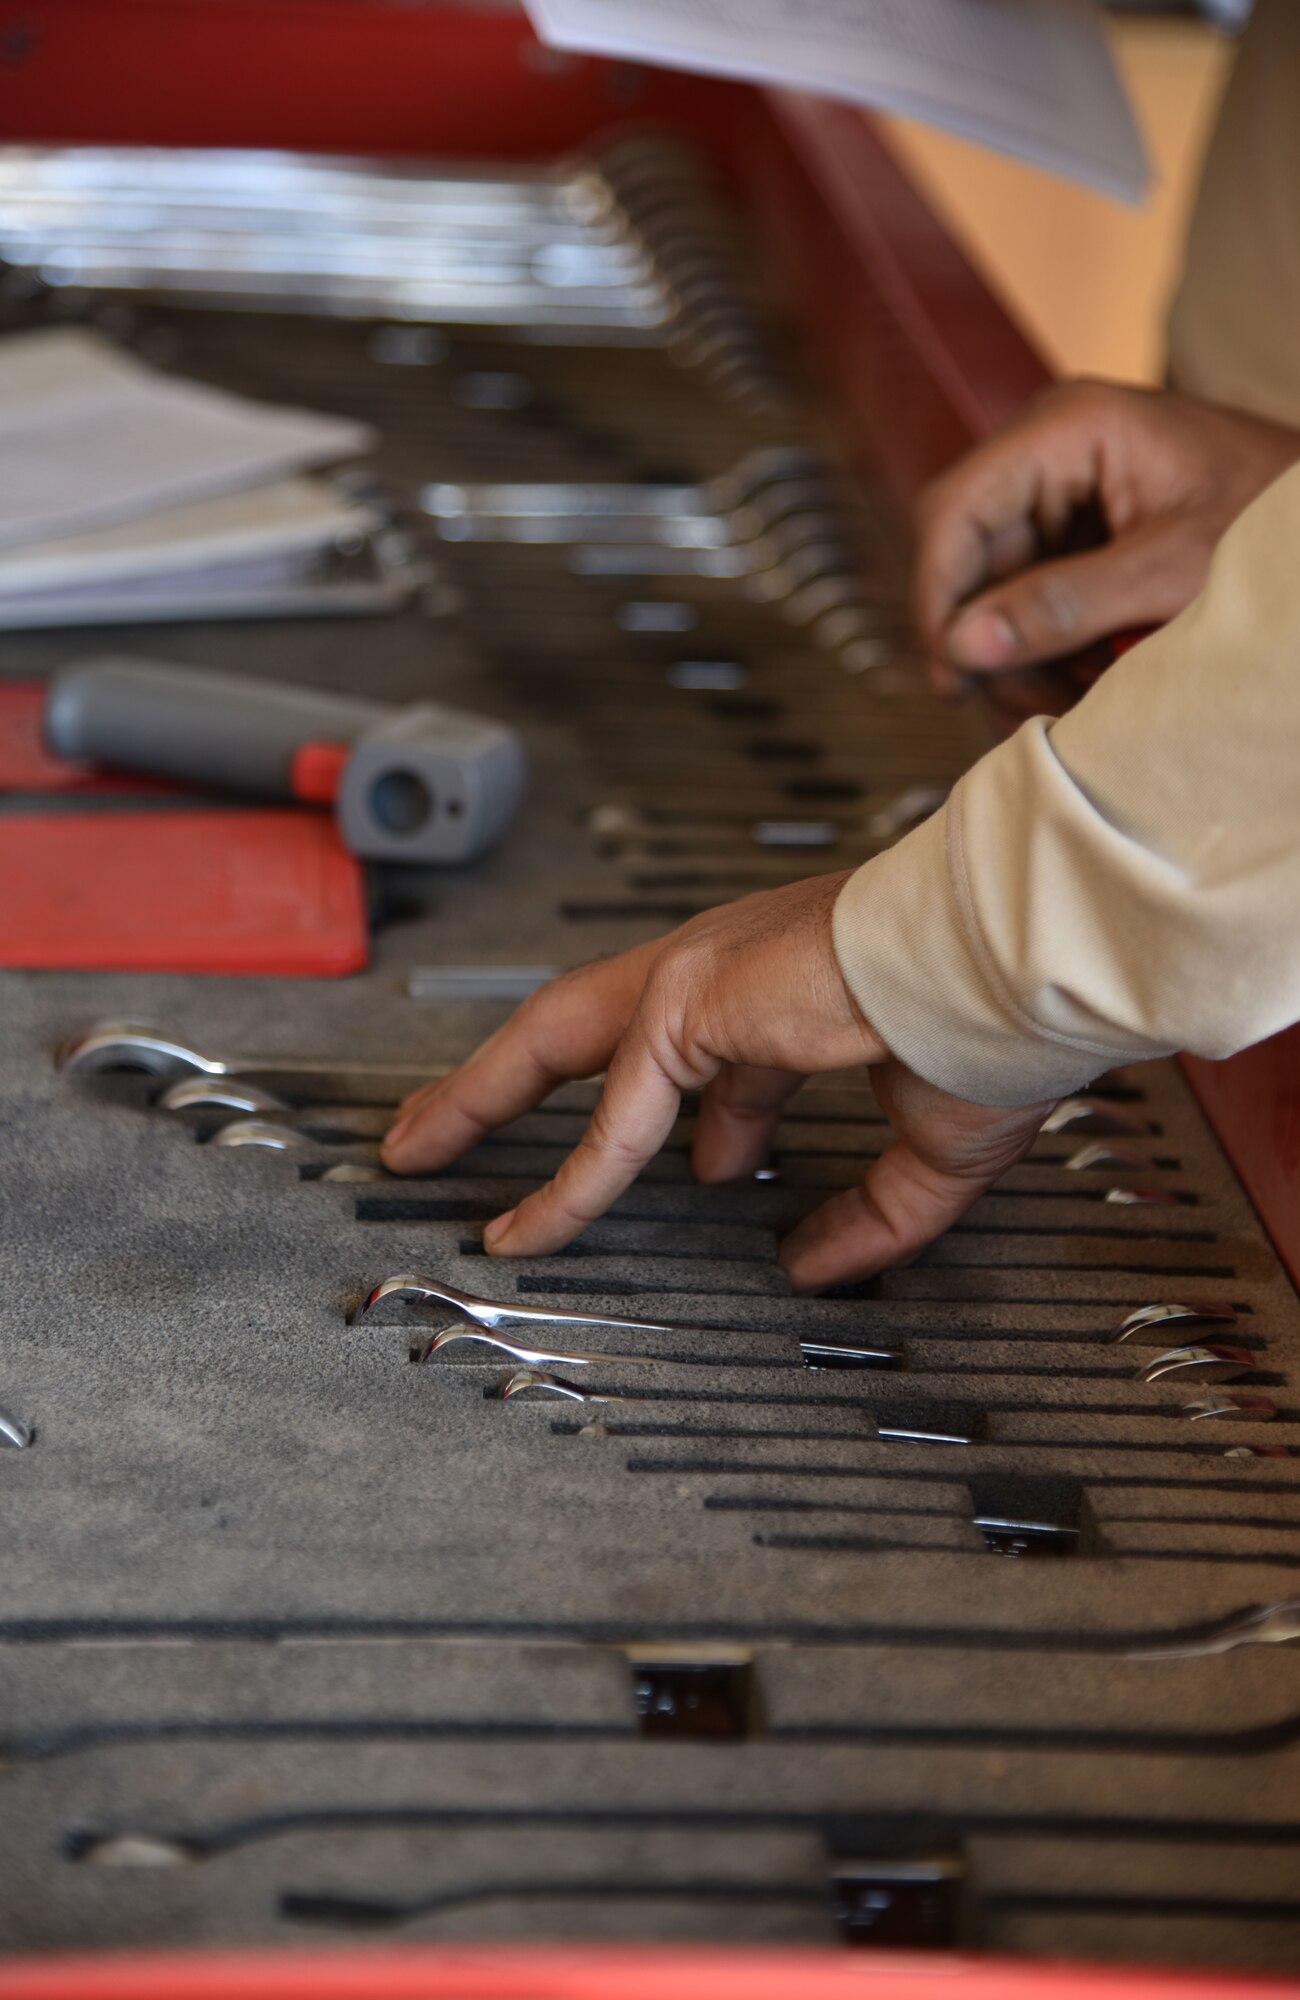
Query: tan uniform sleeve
[1233,326]
[1121,883]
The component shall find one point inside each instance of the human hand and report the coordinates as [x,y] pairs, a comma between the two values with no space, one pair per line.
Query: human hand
[1162,477]
[741,1003]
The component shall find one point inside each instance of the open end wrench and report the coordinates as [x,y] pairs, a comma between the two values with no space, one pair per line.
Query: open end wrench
[13,1431]
[1147,1327]
[491,1315]
[525,1379]
[532,1357]
[134,1045]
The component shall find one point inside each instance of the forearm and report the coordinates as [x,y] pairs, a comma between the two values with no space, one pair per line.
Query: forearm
[1118,884]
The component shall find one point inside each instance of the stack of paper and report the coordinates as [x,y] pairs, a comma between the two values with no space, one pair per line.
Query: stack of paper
[1031,77]
[127,494]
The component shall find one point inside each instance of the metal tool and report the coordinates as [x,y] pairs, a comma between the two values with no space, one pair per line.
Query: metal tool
[762,489]
[1237,1409]
[525,1379]
[1103,1114]
[132,1045]
[420,784]
[14,1432]
[259,1132]
[1262,1625]
[1102,1154]
[268,1120]
[284,232]
[1123,1197]
[204,1093]
[624,248]
[491,1315]
[1201,1364]
[1148,1325]
[533,1357]
[477,982]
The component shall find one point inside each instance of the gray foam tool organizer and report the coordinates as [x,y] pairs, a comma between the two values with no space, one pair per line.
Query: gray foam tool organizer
[957,1651]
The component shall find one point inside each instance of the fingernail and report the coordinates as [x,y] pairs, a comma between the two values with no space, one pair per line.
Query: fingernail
[497,1229]
[982,639]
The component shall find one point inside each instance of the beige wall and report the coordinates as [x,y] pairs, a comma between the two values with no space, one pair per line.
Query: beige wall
[1088,277]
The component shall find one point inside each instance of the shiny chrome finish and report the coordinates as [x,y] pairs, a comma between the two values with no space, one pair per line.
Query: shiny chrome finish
[532,1357]
[1238,1409]
[525,1379]
[764,487]
[259,1132]
[1101,1113]
[203,1093]
[1263,1625]
[1122,1197]
[13,1431]
[493,1314]
[1200,1364]
[1148,1326]
[132,1045]
[1100,1154]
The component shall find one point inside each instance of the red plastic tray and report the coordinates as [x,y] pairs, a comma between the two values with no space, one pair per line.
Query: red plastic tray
[627,1973]
[271,892]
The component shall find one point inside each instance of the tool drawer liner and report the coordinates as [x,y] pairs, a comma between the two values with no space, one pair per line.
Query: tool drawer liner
[319,1640]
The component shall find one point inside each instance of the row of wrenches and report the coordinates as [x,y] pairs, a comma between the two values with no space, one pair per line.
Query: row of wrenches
[235,1091]
[627,245]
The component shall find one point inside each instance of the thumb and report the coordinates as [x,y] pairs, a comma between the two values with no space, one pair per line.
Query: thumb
[1058,607]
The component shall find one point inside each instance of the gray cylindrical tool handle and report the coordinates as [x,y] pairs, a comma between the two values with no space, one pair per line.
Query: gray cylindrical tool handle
[184,722]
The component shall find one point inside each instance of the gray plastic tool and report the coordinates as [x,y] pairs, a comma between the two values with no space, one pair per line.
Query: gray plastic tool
[423,784]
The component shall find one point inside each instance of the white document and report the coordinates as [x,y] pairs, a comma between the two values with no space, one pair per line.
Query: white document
[1030,77]
[89,435]
[376,578]
[289,515]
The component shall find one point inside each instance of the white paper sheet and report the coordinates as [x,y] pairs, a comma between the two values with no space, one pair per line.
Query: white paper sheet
[89,435]
[289,515]
[1030,77]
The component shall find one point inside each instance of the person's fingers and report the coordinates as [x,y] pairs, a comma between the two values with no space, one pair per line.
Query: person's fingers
[902,1204]
[990,508]
[635,1114]
[415,1098]
[1057,607]
[945,1153]
[1011,549]
[568,1028]
[738,1113]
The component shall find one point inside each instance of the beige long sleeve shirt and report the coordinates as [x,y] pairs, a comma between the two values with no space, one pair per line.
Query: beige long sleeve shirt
[1123,882]
[1234,332]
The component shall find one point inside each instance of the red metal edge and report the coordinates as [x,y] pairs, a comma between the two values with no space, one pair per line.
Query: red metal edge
[919,351]
[374,76]
[1252,1102]
[608,1973]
